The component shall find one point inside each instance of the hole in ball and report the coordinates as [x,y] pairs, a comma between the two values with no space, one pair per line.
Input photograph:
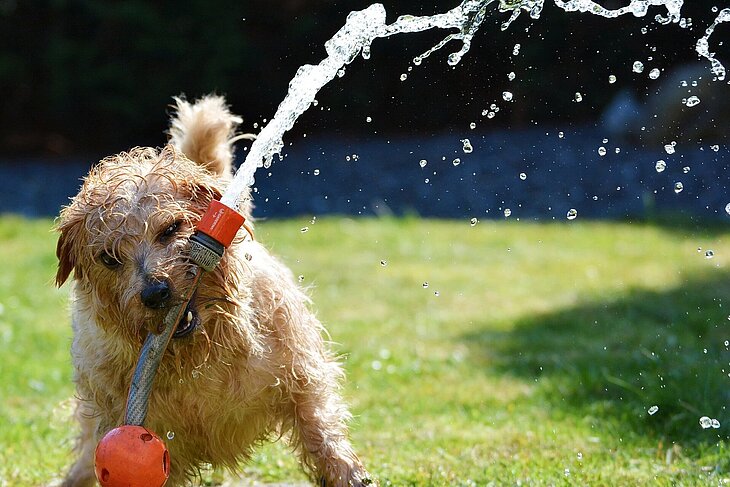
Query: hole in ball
[104,474]
[146,437]
[166,462]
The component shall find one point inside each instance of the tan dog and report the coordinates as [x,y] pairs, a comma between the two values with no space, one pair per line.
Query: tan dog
[252,363]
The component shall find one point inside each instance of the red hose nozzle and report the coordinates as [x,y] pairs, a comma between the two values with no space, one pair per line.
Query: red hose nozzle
[220,223]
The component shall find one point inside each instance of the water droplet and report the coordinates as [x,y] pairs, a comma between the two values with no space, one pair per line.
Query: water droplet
[511,76]
[195,373]
[660,165]
[422,162]
[638,67]
[304,229]
[653,410]
[578,97]
[654,73]
[715,147]
[170,435]
[670,148]
[436,293]
[685,169]
[376,365]
[453,59]
[417,60]
[709,254]
[301,278]
[678,187]
[617,150]
[692,101]
[473,222]
[727,343]
[456,161]
[472,125]
[366,52]
[705,422]
[403,77]
[715,423]
[727,208]
[316,172]
[368,119]
[490,115]
[566,472]
[611,78]
[507,212]
[425,284]
[572,214]
[507,95]
[516,50]
[383,263]
[248,256]
[580,456]
[523,176]
[341,72]
[466,146]
[605,141]
[601,151]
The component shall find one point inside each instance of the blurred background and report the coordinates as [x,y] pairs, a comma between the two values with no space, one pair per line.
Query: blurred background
[84,79]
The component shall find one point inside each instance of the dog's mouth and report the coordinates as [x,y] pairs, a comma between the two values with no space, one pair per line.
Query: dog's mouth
[189,321]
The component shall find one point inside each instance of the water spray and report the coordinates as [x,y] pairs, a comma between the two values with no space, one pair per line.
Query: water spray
[131,455]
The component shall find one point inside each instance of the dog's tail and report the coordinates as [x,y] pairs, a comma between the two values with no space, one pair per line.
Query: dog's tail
[204,132]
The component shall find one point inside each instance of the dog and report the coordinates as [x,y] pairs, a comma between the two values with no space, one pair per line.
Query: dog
[247,364]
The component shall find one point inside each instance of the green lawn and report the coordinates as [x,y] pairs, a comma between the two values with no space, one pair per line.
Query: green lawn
[531,357]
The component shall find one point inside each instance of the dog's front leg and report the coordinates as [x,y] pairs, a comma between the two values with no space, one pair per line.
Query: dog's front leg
[321,429]
[81,473]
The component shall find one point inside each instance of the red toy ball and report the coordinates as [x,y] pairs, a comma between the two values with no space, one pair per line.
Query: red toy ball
[131,456]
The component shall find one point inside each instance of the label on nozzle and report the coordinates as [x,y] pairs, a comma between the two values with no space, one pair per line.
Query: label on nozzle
[221,223]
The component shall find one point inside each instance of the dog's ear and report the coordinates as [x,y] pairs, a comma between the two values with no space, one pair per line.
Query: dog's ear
[69,227]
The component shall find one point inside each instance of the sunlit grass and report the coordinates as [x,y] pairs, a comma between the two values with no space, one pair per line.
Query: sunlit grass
[500,352]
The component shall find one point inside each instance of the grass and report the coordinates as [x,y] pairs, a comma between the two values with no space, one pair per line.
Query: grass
[531,356]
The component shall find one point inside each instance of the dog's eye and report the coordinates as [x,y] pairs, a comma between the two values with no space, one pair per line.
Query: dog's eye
[109,261]
[170,231]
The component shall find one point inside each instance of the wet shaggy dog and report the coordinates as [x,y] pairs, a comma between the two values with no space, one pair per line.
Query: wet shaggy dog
[249,362]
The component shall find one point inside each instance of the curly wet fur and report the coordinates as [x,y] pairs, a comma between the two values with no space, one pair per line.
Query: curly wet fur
[256,368]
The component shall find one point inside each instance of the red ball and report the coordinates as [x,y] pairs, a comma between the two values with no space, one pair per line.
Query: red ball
[131,456]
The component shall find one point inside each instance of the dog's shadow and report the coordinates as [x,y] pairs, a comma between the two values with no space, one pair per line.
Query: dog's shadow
[613,360]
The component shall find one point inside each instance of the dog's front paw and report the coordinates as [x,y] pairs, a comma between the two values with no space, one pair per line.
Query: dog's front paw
[358,477]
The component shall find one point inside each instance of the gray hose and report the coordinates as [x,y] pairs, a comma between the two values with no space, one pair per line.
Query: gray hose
[206,255]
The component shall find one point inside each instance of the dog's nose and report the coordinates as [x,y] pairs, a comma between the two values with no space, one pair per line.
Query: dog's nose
[156,294]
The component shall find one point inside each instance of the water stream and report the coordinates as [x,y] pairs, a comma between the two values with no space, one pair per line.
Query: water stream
[363,27]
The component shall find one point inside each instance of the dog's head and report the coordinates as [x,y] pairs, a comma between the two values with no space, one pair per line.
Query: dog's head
[124,236]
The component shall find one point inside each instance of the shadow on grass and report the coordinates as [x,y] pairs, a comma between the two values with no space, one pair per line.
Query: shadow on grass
[612,361]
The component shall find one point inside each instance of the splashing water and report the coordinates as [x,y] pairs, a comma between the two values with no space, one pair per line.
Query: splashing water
[703,44]
[363,27]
